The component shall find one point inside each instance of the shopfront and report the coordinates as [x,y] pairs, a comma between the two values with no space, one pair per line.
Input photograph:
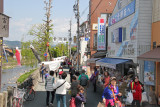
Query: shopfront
[129,33]
[151,73]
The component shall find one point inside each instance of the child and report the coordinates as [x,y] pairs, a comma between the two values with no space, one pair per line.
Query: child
[80,99]
[46,75]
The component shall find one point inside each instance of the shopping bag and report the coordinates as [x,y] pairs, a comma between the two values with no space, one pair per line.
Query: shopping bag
[144,97]
[72,102]
[129,98]
[100,104]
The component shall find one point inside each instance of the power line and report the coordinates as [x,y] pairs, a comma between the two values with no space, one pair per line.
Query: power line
[96,8]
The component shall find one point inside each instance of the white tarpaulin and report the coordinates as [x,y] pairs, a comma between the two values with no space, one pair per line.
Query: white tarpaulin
[52,65]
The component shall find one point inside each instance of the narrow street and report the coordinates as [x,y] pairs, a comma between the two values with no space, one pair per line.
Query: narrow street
[92,98]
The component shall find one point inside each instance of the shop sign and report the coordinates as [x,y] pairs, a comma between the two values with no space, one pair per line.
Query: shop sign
[95,27]
[133,26]
[125,12]
[101,35]
[4,25]
[149,68]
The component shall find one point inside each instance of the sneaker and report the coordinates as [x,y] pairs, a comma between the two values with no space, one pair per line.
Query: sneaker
[51,105]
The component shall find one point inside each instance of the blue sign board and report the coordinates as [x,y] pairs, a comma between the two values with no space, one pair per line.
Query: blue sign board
[125,12]
[149,68]
[86,39]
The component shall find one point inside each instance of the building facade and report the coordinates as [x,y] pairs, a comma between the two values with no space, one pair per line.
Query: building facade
[1,6]
[129,31]
[155,40]
[98,8]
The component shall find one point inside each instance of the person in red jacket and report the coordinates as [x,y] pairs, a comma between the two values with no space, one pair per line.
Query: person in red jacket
[137,88]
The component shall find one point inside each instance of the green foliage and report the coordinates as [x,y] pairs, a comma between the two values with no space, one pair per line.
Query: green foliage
[28,57]
[23,77]
[42,35]
[73,49]
[60,50]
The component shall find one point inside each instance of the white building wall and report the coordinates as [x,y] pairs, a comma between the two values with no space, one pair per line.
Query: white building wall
[143,33]
[83,46]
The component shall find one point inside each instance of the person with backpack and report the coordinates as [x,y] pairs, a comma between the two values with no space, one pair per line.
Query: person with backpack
[80,99]
[137,88]
[49,87]
[84,82]
[61,87]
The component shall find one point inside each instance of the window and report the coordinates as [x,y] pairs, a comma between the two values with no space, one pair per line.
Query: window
[95,41]
[124,34]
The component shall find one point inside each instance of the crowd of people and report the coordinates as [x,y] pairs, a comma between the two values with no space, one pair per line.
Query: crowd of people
[112,95]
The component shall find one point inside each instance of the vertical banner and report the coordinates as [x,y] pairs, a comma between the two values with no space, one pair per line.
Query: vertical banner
[101,35]
[149,68]
[18,56]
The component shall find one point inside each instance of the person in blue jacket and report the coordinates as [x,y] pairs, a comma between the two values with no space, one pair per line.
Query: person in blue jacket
[111,92]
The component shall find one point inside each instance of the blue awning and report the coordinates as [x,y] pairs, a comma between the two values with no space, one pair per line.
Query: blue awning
[111,62]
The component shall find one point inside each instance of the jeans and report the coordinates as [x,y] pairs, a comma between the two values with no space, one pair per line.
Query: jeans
[47,98]
[137,103]
[63,98]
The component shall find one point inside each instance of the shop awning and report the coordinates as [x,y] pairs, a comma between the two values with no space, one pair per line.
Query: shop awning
[100,54]
[111,62]
[153,55]
[93,60]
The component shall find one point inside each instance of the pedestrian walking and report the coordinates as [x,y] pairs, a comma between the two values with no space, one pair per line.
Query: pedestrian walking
[50,80]
[56,72]
[136,87]
[74,86]
[111,93]
[80,99]
[71,72]
[42,71]
[84,82]
[95,78]
[106,79]
[61,87]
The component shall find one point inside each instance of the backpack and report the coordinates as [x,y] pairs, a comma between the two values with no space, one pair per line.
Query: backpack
[72,102]
[83,80]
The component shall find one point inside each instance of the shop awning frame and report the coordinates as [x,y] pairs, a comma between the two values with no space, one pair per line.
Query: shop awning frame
[111,62]
[153,55]
[93,60]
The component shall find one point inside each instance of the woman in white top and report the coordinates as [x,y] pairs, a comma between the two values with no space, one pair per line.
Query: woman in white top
[61,87]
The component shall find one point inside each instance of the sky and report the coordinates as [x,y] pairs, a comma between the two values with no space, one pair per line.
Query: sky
[26,13]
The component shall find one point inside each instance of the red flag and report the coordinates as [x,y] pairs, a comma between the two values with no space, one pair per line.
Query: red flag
[18,56]
[101,20]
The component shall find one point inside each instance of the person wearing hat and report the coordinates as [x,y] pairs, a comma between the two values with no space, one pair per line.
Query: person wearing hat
[110,94]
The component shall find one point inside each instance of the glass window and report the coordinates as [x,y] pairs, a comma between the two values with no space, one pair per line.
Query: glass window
[124,34]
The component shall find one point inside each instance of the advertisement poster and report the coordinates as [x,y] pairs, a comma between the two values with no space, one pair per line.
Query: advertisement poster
[149,68]
[101,35]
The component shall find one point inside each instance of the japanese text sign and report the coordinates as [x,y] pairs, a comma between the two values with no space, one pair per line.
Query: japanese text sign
[4,25]
[101,35]
[125,12]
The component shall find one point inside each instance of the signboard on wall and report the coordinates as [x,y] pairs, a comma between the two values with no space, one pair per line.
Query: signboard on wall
[133,26]
[95,26]
[149,68]
[101,35]
[4,25]
[125,12]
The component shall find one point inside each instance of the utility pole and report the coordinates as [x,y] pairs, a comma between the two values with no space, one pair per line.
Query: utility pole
[1,53]
[70,33]
[48,21]
[76,10]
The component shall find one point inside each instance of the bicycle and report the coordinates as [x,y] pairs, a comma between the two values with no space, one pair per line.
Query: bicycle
[29,93]
[18,97]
